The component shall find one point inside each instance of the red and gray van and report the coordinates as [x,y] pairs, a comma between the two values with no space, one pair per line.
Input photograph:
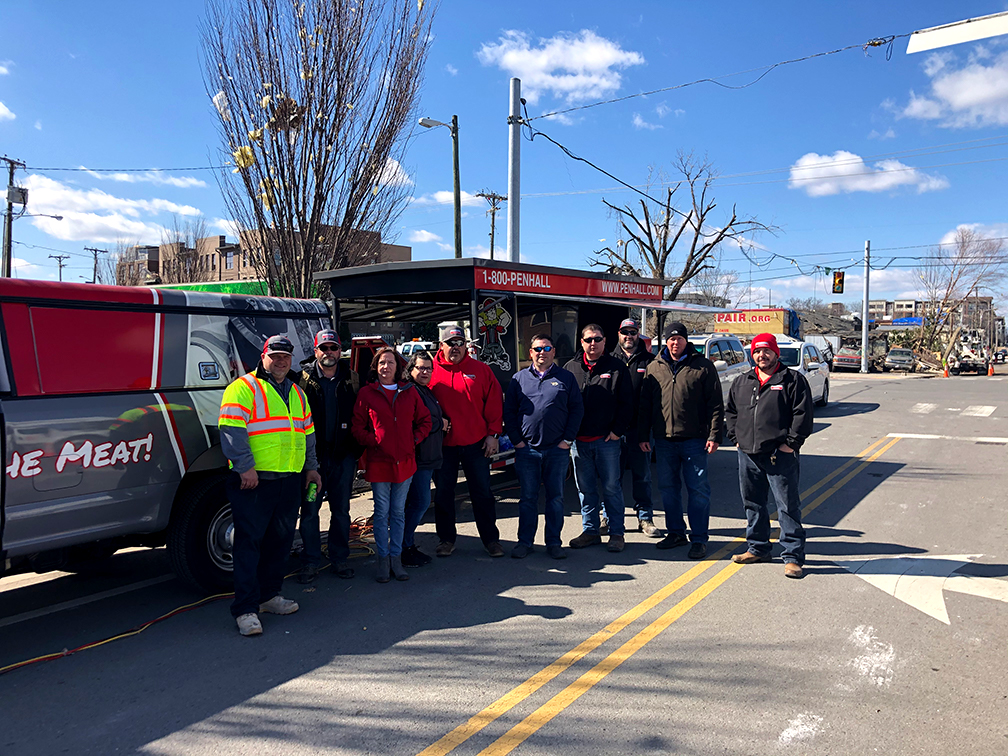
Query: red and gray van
[108,418]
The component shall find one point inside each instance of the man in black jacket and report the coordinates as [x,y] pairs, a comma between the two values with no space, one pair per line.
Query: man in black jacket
[681,407]
[769,416]
[331,387]
[632,352]
[608,402]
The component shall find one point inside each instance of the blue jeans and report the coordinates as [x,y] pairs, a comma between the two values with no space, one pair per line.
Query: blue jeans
[535,467]
[595,462]
[389,516]
[687,459]
[418,500]
[639,463]
[264,521]
[337,483]
[758,475]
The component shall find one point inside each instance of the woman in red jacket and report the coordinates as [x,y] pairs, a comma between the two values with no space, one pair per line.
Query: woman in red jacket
[389,420]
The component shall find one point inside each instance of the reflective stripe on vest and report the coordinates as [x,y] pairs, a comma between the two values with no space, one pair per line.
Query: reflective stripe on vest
[276,430]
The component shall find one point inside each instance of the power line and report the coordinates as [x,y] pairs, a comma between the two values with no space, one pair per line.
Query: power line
[82,169]
[876,42]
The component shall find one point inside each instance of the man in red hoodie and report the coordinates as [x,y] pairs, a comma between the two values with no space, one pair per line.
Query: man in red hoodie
[471,398]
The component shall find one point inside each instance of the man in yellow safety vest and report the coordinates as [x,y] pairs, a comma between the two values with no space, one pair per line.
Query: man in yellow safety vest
[268,438]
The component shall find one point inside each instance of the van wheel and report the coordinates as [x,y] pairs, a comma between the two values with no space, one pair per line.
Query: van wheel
[824,399]
[200,536]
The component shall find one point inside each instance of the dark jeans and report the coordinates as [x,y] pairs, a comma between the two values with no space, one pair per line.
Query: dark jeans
[477,472]
[597,462]
[264,521]
[418,501]
[758,475]
[337,484]
[687,459]
[639,463]
[535,467]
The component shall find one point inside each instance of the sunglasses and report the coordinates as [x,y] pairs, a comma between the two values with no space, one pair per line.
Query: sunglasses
[592,339]
[629,333]
[542,349]
[455,343]
[328,347]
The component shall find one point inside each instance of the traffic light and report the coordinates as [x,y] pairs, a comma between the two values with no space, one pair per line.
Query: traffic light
[838,282]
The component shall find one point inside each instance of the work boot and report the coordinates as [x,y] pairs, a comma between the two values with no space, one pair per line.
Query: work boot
[672,540]
[793,570]
[249,624]
[397,569]
[413,557]
[749,558]
[382,575]
[585,539]
[278,605]
[648,528]
[308,574]
[343,571]
[616,543]
[520,551]
[445,549]
[556,551]
[495,550]
[697,551]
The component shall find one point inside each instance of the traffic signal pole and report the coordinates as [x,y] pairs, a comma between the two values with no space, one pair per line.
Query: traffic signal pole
[864,308]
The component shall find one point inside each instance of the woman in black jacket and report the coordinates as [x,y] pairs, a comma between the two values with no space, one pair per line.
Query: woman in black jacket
[428,458]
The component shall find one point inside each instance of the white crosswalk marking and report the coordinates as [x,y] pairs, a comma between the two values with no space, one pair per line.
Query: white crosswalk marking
[978,410]
[923,408]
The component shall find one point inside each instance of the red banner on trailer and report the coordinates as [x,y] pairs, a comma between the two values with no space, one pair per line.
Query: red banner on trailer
[497,279]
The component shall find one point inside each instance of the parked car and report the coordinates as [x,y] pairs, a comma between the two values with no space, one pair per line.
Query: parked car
[806,359]
[410,347]
[900,358]
[726,352]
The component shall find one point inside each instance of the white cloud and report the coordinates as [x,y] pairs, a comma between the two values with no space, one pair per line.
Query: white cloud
[822,175]
[640,123]
[421,236]
[888,134]
[95,215]
[662,110]
[227,227]
[479,250]
[970,94]
[21,268]
[679,112]
[574,67]
[147,177]
[446,198]
[5,113]
[990,231]
[5,67]
[38,125]
[394,175]
[451,69]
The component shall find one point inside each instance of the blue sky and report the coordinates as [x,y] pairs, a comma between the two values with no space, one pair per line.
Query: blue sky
[907,149]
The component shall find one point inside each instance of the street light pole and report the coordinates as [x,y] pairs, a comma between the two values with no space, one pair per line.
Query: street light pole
[5,269]
[458,189]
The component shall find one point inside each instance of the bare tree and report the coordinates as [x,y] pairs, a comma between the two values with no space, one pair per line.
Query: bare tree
[316,101]
[713,285]
[661,240]
[809,304]
[123,266]
[951,273]
[185,254]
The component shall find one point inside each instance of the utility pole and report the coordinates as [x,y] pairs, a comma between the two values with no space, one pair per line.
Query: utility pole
[13,193]
[494,199]
[514,171]
[457,188]
[864,308]
[59,261]
[95,252]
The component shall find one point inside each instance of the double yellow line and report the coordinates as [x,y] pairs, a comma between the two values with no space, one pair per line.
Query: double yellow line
[555,705]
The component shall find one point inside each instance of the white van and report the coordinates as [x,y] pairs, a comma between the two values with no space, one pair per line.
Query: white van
[409,347]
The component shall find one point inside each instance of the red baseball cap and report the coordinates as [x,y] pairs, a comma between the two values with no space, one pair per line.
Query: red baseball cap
[765,341]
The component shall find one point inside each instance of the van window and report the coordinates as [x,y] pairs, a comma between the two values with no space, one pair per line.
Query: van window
[738,352]
[715,353]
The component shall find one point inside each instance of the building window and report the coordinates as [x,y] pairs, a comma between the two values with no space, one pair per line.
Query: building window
[229,260]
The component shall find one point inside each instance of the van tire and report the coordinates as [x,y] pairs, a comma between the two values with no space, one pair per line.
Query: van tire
[200,518]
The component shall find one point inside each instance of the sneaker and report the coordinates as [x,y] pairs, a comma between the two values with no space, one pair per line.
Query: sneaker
[648,528]
[495,550]
[413,557]
[249,624]
[603,524]
[556,552]
[616,543]
[749,558]
[278,605]
[343,571]
[520,551]
[672,540]
[585,539]
[697,551]
[308,574]
[793,570]
[445,549]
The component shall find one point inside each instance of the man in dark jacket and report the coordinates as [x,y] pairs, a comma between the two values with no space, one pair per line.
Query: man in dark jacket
[681,407]
[331,387]
[769,416]
[633,353]
[542,413]
[608,403]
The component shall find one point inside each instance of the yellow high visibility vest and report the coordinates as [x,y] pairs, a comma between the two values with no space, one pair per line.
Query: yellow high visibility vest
[276,431]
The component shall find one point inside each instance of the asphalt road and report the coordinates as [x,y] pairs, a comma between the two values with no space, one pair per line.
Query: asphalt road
[893,643]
